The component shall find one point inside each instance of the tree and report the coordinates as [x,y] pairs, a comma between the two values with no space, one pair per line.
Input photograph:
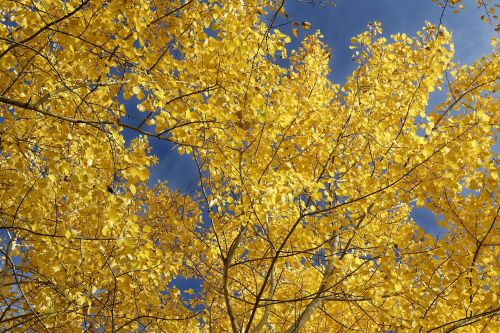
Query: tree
[301,217]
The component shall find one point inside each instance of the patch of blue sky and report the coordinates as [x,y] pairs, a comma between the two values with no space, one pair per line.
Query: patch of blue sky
[428,220]
[190,289]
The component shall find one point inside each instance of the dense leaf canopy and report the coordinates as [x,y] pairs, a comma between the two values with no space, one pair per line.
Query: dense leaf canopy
[301,216]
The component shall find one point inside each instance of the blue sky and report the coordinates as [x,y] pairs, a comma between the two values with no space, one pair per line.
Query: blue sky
[350,17]
[338,24]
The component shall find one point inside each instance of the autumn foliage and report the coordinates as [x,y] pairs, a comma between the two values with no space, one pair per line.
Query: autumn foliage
[300,220]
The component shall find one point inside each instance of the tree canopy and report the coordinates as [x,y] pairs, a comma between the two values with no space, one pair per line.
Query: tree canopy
[300,220]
